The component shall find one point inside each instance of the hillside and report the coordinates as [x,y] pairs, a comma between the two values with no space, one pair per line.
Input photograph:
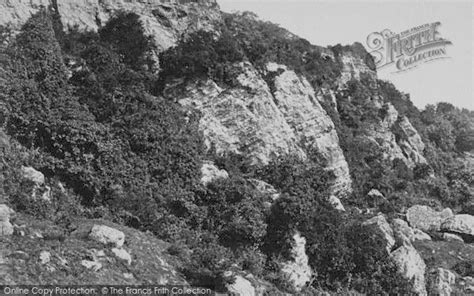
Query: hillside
[167,142]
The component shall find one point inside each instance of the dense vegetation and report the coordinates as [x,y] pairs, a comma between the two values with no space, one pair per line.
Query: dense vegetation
[87,111]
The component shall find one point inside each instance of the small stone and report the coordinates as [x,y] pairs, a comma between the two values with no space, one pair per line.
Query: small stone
[123,255]
[336,203]
[107,235]
[94,265]
[374,193]
[128,276]
[45,257]
[33,175]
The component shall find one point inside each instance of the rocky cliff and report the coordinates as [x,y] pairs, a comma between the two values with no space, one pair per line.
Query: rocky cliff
[262,123]
[164,20]
[148,169]
[260,118]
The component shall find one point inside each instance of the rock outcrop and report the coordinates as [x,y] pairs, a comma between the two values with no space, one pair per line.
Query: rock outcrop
[122,254]
[33,175]
[209,173]
[407,145]
[298,270]
[6,228]
[164,20]
[313,128]
[411,266]
[241,286]
[107,235]
[253,121]
[441,282]
[404,234]
[427,219]
[383,227]
[462,224]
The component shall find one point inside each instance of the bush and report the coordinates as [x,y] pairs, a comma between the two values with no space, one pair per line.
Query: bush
[125,33]
[201,54]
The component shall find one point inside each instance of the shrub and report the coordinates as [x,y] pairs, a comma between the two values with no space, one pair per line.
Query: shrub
[201,54]
[125,33]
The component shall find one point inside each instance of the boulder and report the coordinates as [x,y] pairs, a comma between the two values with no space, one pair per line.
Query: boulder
[384,228]
[6,228]
[107,235]
[33,175]
[241,286]
[122,255]
[209,173]
[411,266]
[336,203]
[402,232]
[441,282]
[298,270]
[461,224]
[427,219]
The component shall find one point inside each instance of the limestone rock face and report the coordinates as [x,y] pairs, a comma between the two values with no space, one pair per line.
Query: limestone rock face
[409,146]
[427,219]
[240,120]
[462,224]
[209,173]
[381,224]
[250,120]
[298,270]
[411,266]
[353,67]
[296,100]
[107,235]
[164,20]
[411,143]
[16,13]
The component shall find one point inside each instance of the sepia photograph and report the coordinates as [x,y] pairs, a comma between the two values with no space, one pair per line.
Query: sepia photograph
[237,147]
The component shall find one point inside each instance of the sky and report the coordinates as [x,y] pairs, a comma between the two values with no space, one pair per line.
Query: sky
[329,23]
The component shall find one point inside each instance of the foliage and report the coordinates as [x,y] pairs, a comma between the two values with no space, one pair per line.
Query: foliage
[264,42]
[125,34]
[202,54]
